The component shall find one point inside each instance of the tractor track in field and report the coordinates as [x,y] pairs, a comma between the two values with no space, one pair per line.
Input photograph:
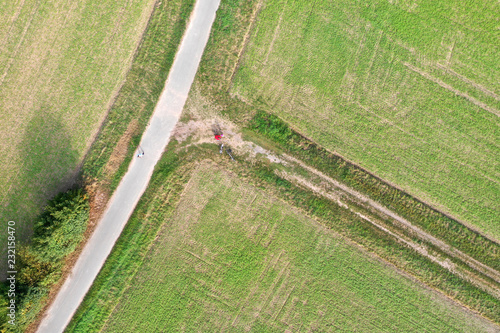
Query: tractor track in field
[443,84]
[336,196]
[479,274]
[245,41]
[403,224]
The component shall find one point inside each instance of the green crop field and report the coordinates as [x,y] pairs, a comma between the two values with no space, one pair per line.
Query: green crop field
[233,258]
[61,64]
[222,255]
[409,90]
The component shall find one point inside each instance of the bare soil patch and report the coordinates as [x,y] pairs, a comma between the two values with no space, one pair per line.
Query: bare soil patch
[199,131]
[120,151]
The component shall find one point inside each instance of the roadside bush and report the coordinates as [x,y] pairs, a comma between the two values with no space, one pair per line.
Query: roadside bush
[32,270]
[58,231]
[60,228]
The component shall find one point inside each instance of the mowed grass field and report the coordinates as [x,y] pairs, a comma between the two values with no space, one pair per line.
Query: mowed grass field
[61,64]
[232,258]
[408,90]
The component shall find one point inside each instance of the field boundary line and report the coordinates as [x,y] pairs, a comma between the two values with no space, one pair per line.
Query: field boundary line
[450,88]
[471,262]
[244,43]
[469,81]
[446,264]
[421,249]
[435,208]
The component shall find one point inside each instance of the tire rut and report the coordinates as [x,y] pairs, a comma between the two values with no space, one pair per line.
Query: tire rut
[403,223]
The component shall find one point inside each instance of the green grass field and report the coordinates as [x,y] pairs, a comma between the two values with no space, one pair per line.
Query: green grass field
[233,258]
[200,266]
[61,65]
[410,91]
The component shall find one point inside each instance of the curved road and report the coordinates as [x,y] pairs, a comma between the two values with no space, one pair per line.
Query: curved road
[135,181]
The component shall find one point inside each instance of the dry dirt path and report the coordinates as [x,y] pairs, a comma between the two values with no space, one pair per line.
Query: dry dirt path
[135,181]
[344,195]
[473,263]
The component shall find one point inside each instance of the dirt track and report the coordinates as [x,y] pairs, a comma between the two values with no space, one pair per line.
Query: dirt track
[342,195]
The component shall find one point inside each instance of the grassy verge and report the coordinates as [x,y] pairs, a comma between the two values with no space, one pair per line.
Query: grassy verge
[137,99]
[393,88]
[157,206]
[445,228]
[130,249]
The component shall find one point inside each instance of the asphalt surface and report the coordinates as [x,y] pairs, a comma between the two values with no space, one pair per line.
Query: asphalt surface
[135,181]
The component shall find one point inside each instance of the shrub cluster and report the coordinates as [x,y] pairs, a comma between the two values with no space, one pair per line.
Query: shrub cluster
[57,233]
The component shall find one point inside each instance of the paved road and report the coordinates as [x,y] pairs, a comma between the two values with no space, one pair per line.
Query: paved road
[135,181]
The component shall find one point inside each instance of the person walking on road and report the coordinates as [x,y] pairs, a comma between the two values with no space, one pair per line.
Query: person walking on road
[140,152]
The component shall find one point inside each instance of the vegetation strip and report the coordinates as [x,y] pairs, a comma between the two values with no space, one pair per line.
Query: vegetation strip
[438,225]
[357,80]
[58,232]
[107,161]
[139,95]
[152,213]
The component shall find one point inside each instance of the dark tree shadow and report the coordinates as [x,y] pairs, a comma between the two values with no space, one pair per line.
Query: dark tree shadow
[50,165]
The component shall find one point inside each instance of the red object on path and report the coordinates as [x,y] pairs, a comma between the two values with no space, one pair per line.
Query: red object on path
[218,137]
